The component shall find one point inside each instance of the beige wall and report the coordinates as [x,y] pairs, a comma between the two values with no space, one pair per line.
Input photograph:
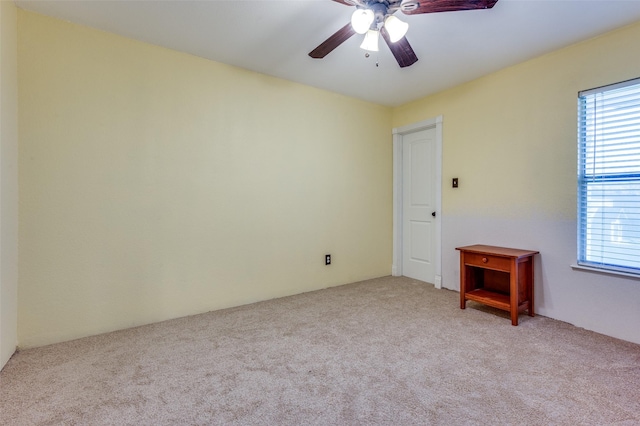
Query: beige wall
[8,181]
[154,184]
[510,138]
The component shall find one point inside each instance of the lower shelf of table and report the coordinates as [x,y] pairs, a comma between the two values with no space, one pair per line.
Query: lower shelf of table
[490,298]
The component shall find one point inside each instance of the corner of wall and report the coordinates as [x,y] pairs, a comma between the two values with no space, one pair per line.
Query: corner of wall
[8,181]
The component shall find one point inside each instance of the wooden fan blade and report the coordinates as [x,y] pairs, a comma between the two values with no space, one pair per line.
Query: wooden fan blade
[433,6]
[401,49]
[332,42]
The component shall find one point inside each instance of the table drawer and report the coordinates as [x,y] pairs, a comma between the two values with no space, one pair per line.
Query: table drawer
[488,261]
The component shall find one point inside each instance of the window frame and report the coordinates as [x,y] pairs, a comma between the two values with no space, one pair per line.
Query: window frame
[588,144]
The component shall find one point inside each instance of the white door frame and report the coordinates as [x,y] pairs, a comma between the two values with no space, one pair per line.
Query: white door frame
[398,133]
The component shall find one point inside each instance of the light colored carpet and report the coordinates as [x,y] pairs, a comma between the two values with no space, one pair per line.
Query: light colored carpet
[385,351]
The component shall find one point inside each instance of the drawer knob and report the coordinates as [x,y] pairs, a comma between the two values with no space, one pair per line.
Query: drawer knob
[485,260]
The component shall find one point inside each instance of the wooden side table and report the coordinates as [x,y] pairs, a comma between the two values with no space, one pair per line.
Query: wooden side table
[497,276]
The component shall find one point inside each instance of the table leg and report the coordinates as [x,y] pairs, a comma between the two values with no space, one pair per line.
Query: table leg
[530,293]
[513,293]
[463,282]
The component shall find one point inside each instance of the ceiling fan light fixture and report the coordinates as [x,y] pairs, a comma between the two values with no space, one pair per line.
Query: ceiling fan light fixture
[370,41]
[396,28]
[361,20]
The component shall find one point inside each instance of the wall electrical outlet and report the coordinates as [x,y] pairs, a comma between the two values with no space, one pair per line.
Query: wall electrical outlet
[327,259]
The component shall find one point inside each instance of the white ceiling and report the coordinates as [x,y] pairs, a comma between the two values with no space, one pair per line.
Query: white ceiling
[275,36]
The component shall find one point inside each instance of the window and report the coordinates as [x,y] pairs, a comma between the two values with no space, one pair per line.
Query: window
[609,177]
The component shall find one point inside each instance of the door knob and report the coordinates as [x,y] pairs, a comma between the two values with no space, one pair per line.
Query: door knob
[433,214]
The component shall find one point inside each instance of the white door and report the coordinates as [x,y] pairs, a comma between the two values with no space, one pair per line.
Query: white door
[419,205]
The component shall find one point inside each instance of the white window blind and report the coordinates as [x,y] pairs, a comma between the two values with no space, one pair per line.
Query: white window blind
[609,177]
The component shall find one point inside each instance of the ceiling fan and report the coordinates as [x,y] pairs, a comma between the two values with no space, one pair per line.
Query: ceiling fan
[376,17]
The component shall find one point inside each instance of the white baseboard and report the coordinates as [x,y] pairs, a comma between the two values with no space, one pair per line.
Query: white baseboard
[438,281]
